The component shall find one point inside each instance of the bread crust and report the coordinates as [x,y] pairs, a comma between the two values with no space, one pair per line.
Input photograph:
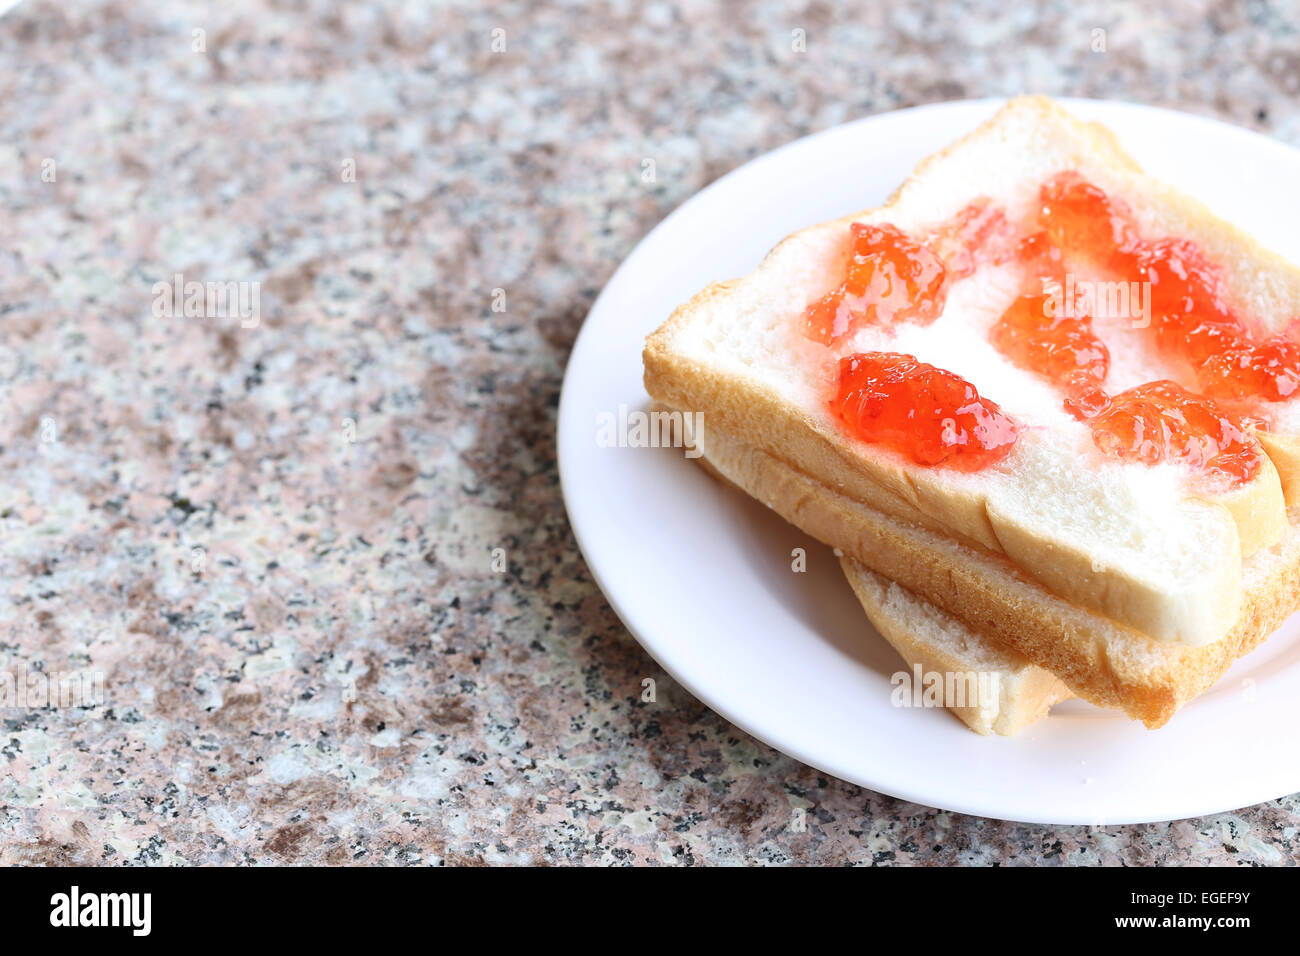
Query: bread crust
[787,432]
[1025,692]
[1098,659]
[1250,519]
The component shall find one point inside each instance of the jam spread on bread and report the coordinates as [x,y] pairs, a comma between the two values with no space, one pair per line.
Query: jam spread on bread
[1040,337]
[1077,217]
[890,278]
[1193,327]
[935,417]
[1192,323]
[979,235]
[928,414]
[1162,421]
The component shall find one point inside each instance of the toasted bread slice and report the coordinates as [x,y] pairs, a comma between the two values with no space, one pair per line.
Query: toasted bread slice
[1127,541]
[1099,660]
[937,643]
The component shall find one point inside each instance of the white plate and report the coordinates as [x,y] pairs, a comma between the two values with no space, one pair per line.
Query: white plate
[702,575]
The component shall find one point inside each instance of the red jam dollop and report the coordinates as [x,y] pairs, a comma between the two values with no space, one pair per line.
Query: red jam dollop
[1045,260]
[930,415]
[1163,422]
[890,278]
[1079,226]
[1192,322]
[980,234]
[1041,333]
[1077,216]
[934,417]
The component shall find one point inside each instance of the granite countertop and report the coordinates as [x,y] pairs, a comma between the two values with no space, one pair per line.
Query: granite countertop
[270,533]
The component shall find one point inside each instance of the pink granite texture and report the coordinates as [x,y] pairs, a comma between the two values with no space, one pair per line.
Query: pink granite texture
[273,540]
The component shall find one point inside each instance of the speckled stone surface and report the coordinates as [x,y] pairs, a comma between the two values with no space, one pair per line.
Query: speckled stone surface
[275,542]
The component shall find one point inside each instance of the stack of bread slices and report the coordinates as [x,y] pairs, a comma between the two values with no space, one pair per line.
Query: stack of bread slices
[1059,568]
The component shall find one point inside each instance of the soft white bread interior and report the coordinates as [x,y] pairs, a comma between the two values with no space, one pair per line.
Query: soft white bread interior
[938,643]
[1136,544]
[1099,660]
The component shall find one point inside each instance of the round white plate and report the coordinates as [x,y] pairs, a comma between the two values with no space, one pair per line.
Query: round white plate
[701,575]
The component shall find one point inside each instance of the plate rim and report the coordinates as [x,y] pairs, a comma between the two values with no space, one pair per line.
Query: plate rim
[582,537]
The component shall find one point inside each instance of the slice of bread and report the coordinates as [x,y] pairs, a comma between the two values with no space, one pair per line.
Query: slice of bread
[1008,691]
[1099,660]
[937,643]
[1126,541]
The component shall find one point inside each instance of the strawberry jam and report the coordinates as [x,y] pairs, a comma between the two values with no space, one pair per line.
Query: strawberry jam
[1039,333]
[1269,370]
[926,413]
[1043,259]
[1077,216]
[979,234]
[1191,320]
[1193,325]
[1163,422]
[1206,342]
[890,278]
[932,416]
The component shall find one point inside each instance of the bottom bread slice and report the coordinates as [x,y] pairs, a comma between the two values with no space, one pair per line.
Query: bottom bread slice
[1009,691]
[1099,660]
[991,688]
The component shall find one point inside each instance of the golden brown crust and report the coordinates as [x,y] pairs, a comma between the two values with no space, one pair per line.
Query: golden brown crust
[1284,452]
[1025,692]
[1099,660]
[785,431]
[1258,507]
[733,403]
[1028,692]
